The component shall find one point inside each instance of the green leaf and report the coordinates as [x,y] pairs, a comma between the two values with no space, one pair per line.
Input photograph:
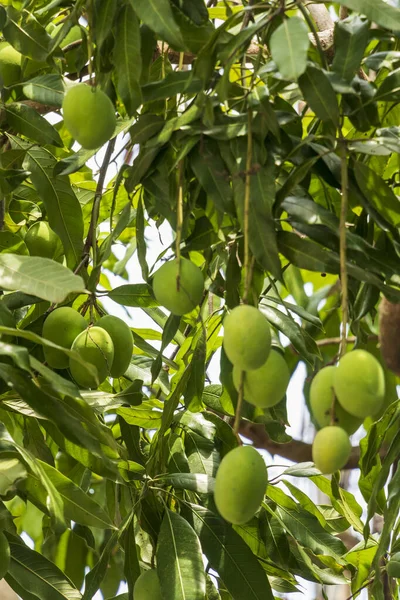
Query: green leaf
[211,172]
[12,243]
[230,556]
[289,45]
[158,16]
[389,90]
[262,235]
[26,121]
[94,578]
[288,326]
[136,294]
[319,94]
[36,574]
[178,82]
[4,555]
[131,562]
[62,206]
[351,39]
[377,11]
[11,470]
[196,482]
[78,506]
[46,89]
[378,193]
[43,277]
[306,528]
[127,58]
[179,559]
[195,383]
[29,38]
[104,13]
[306,254]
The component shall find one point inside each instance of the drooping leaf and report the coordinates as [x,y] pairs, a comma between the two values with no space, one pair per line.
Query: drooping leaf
[351,38]
[26,121]
[377,11]
[289,45]
[63,208]
[30,38]
[46,89]
[319,94]
[37,575]
[230,556]
[127,58]
[78,506]
[179,559]
[157,14]
[42,277]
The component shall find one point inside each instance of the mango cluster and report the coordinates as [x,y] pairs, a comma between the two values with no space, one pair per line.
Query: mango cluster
[247,344]
[341,398]
[242,476]
[107,346]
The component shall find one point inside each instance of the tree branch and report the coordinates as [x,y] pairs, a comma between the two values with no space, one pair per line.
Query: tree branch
[296,451]
[91,237]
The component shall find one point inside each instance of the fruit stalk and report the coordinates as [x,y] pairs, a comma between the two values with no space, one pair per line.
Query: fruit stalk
[343,248]
[91,237]
[179,221]
[249,159]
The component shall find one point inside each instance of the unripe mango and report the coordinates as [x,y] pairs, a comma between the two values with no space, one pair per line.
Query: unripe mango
[62,326]
[42,241]
[247,337]
[121,336]
[89,115]
[95,347]
[331,449]
[179,296]
[393,566]
[266,386]
[359,383]
[240,484]
[147,586]
[10,65]
[321,398]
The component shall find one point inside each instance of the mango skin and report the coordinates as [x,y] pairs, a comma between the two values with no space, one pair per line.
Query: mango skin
[240,484]
[10,65]
[95,346]
[247,337]
[359,383]
[321,396]
[331,449]
[89,116]
[266,386]
[122,338]
[42,241]
[147,586]
[62,326]
[393,566]
[191,286]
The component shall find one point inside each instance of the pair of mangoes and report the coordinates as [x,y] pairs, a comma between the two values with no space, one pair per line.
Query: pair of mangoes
[107,346]
[341,398]
[247,344]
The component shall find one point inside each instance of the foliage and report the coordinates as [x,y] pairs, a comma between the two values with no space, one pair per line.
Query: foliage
[272,156]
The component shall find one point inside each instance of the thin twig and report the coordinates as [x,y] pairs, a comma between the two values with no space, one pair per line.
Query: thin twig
[179,221]
[343,249]
[91,237]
